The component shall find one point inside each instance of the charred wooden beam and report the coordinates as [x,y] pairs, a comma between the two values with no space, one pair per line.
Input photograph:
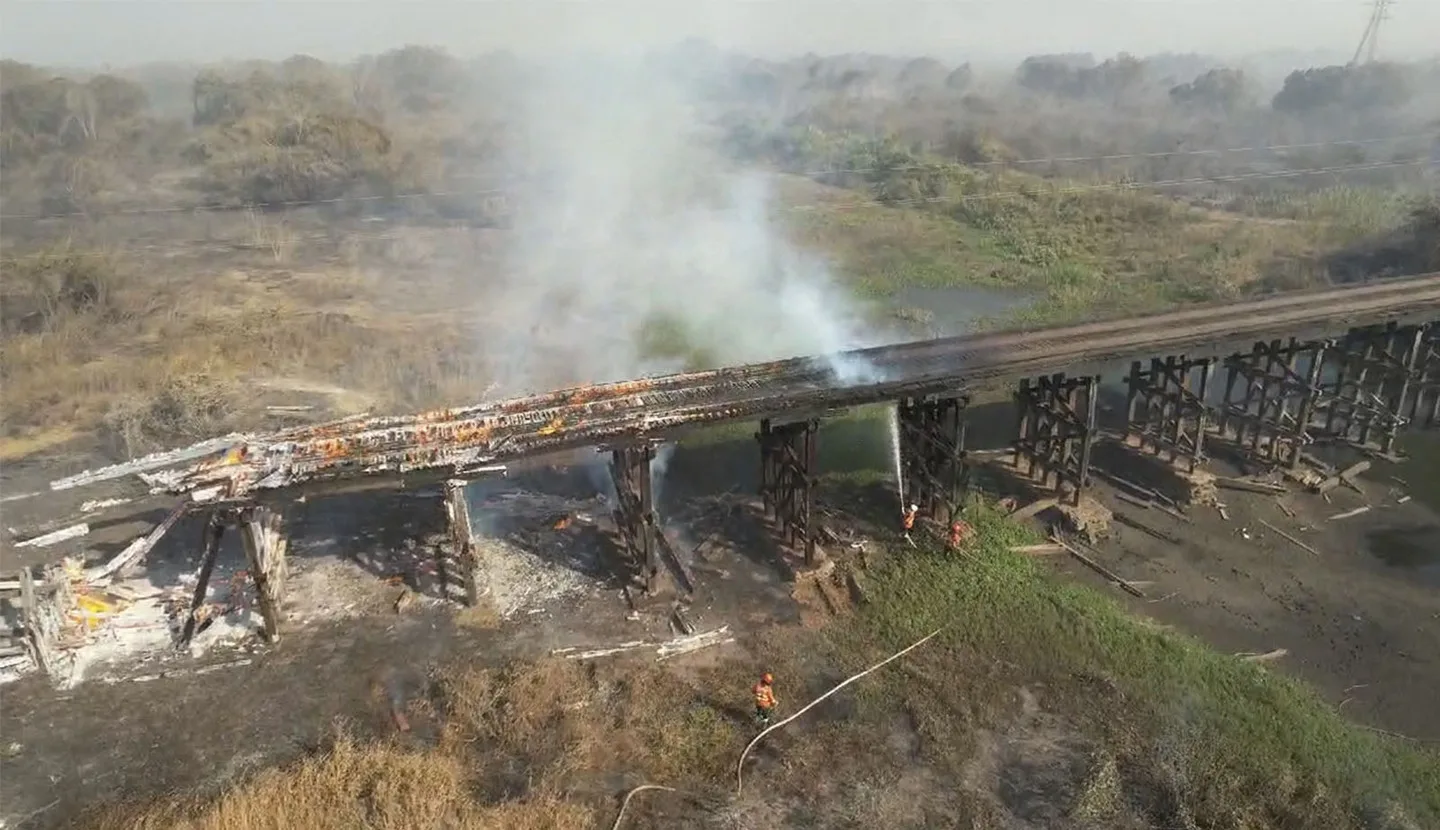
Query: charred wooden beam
[1166,408]
[214,529]
[1055,431]
[634,509]
[41,628]
[787,481]
[262,533]
[932,453]
[465,559]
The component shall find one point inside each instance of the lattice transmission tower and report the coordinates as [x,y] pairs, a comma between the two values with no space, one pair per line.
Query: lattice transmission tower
[1370,40]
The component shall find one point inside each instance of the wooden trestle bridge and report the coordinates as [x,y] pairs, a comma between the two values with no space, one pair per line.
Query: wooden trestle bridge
[1356,363]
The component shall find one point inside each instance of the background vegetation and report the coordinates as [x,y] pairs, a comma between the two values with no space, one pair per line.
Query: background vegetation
[184,245]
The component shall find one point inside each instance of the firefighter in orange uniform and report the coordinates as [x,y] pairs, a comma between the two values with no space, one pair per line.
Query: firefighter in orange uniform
[765,698]
[907,521]
[959,532]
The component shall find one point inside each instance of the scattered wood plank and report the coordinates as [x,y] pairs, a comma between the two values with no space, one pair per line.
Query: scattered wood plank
[1402,499]
[1173,513]
[1348,513]
[685,645]
[1146,529]
[1038,550]
[1249,485]
[1289,538]
[1345,476]
[56,537]
[96,505]
[1098,568]
[1285,508]
[1143,504]
[601,652]
[1252,657]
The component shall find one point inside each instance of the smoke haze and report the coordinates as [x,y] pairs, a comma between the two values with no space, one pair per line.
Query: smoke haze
[641,249]
[149,30]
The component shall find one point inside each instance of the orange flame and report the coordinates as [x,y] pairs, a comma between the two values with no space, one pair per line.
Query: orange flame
[561,523]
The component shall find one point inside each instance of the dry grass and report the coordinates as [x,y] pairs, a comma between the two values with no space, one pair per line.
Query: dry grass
[533,746]
[149,353]
[350,786]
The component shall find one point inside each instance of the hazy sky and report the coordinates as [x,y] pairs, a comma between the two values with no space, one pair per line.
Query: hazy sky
[96,32]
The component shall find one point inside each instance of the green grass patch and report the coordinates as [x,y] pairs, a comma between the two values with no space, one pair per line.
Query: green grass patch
[1251,740]
[917,221]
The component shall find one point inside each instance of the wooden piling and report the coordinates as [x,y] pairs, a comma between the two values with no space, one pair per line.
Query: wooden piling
[214,530]
[262,532]
[457,510]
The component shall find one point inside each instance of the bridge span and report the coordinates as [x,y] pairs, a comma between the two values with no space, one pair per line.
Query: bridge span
[1355,363]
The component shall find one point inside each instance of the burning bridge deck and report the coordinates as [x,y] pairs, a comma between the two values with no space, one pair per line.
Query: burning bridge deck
[453,442]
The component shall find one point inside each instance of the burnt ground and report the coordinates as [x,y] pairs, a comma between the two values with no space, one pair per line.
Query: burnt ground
[1358,620]
[166,722]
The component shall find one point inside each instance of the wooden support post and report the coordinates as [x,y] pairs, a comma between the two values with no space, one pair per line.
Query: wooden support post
[1231,374]
[1410,358]
[1023,426]
[214,529]
[261,531]
[39,636]
[462,539]
[1087,439]
[1133,424]
[1202,414]
[1307,403]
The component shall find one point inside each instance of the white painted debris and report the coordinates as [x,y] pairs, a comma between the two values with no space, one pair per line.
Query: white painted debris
[288,408]
[56,536]
[694,642]
[1402,499]
[663,650]
[18,497]
[1348,513]
[606,652]
[150,462]
[208,494]
[95,505]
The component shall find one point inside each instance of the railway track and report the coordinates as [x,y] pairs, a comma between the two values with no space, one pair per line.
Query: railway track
[456,439]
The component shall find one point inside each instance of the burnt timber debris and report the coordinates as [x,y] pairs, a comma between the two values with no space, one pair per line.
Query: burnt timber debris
[1356,364]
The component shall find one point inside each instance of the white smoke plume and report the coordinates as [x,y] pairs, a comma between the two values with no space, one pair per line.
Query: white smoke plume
[637,247]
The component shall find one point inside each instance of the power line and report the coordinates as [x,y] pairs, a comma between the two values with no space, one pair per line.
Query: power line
[937,165]
[851,204]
